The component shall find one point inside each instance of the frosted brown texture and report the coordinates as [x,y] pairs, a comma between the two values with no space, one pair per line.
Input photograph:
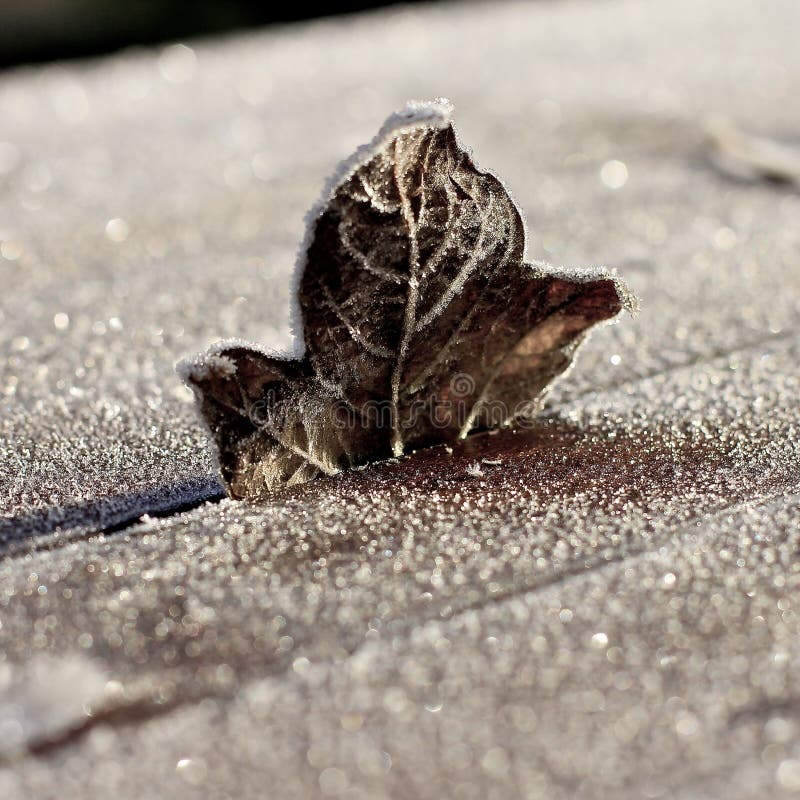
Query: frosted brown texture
[421,319]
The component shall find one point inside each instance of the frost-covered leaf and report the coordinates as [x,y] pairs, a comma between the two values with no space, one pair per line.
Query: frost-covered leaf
[421,320]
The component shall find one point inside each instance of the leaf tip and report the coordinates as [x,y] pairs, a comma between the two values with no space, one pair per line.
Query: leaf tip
[628,300]
[436,113]
[188,370]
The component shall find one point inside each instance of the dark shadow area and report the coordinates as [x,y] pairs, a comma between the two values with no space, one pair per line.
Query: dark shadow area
[63,523]
[46,30]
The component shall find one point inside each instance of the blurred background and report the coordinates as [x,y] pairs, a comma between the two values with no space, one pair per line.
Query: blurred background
[44,30]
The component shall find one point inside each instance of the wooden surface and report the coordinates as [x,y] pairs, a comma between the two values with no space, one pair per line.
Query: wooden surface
[602,606]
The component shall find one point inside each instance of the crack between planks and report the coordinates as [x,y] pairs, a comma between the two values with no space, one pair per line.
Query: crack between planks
[701,358]
[58,537]
[593,565]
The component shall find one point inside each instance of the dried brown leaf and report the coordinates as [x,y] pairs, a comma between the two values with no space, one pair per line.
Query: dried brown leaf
[421,320]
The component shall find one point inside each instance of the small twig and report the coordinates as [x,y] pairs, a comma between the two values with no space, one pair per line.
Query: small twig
[751,158]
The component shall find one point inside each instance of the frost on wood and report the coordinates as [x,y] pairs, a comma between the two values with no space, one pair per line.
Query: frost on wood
[421,320]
